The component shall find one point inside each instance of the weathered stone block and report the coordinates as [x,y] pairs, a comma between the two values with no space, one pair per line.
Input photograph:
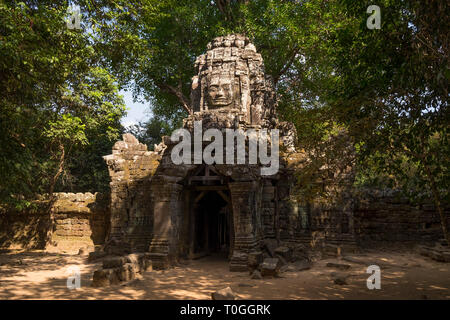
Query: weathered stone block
[126,272]
[302,265]
[255,258]
[256,274]
[339,266]
[270,245]
[104,277]
[140,261]
[224,294]
[270,267]
[96,255]
[160,261]
[114,262]
[284,252]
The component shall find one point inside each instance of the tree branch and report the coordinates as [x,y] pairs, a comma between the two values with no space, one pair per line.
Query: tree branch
[185,102]
[287,65]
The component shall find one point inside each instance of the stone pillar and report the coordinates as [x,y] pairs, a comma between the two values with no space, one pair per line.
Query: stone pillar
[167,211]
[243,204]
[118,209]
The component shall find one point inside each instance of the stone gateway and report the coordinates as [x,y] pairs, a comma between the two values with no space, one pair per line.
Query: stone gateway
[186,211]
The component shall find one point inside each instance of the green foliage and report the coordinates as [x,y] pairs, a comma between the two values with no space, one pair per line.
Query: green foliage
[387,87]
[392,93]
[56,99]
[376,98]
[152,45]
[67,128]
[150,132]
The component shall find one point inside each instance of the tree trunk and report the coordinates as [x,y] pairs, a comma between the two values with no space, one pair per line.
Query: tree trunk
[57,174]
[51,190]
[437,201]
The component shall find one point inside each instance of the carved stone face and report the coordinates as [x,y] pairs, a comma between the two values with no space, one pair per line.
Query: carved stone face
[220,91]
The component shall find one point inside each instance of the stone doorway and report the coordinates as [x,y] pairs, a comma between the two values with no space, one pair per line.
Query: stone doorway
[212,225]
[210,216]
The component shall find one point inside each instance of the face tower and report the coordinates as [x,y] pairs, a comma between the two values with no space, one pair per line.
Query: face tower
[231,83]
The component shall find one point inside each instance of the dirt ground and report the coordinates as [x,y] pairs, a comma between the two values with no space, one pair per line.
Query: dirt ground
[404,275]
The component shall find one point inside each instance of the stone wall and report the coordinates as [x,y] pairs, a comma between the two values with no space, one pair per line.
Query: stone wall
[80,219]
[131,168]
[81,216]
[24,229]
[386,215]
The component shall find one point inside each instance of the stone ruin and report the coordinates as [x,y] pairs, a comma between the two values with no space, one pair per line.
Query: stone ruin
[190,210]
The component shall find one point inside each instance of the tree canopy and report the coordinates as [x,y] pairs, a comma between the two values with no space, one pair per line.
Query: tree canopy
[387,88]
[56,100]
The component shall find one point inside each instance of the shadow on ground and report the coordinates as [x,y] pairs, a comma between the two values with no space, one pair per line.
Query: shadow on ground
[404,275]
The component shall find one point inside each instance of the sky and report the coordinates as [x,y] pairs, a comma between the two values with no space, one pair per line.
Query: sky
[135,111]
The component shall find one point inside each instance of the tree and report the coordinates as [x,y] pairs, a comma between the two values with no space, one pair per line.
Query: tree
[386,88]
[153,45]
[56,98]
[394,94]
[150,132]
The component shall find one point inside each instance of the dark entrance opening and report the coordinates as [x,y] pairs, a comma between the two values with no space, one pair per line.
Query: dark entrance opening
[208,213]
[212,225]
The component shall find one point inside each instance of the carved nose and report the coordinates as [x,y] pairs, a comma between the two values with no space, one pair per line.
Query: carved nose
[220,92]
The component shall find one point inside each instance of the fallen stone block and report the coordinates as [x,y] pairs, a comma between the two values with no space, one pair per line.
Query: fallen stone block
[255,258]
[239,262]
[96,255]
[299,252]
[139,261]
[147,265]
[339,278]
[114,262]
[284,252]
[270,267]
[437,253]
[339,266]
[288,268]
[283,261]
[133,258]
[126,272]
[314,255]
[256,275]
[104,277]
[440,256]
[302,265]
[160,261]
[224,294]
[245,285]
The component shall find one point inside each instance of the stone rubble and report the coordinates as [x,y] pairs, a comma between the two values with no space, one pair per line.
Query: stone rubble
[270,267]
[224,294]
[121,269]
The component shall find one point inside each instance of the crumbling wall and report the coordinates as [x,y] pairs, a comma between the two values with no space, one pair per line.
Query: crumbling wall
[81,216]
[75,219]
[24,229]
[386,215]
[131,168]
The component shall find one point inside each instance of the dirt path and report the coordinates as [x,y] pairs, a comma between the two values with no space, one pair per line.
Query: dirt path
[42,275]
